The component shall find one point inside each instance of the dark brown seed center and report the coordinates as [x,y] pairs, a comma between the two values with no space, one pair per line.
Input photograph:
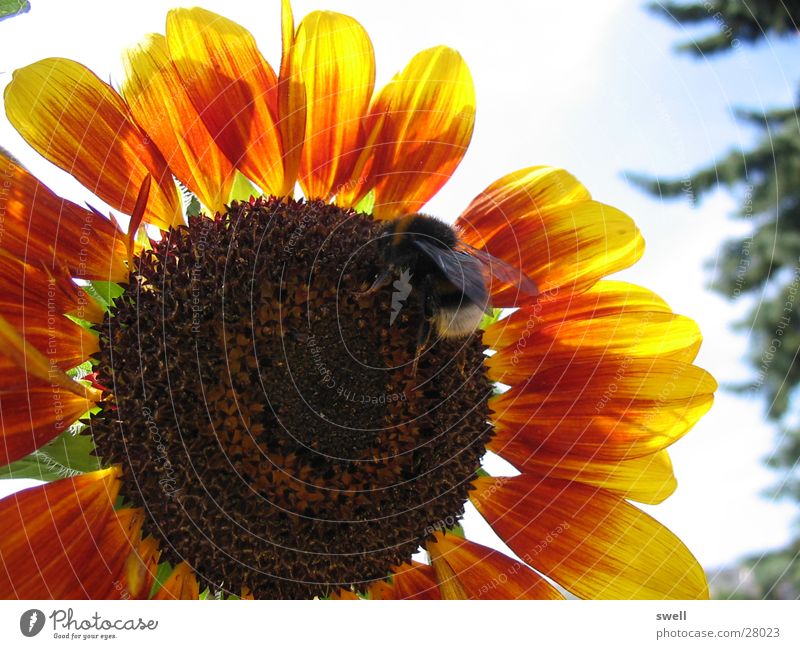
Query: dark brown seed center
[267,417]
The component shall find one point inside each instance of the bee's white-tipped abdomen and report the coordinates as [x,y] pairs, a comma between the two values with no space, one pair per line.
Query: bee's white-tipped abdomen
[458,323]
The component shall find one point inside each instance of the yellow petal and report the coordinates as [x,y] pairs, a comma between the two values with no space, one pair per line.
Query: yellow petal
[291,101]
[647,479]
[59,539]
[590,541]
[606,298]
[517,195]
[80,124]
[333,58]
[234,90]
[542,221]
[613,410]
[429,111]
[590,339]
[157,99]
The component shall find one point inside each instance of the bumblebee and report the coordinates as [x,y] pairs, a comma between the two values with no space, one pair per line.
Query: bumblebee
[448,276]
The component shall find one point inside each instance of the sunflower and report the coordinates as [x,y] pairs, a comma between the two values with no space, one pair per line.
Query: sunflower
[256,427]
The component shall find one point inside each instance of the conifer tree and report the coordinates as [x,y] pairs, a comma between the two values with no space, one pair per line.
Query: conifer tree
[762,268]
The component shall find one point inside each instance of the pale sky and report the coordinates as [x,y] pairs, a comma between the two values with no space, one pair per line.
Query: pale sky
[590,86]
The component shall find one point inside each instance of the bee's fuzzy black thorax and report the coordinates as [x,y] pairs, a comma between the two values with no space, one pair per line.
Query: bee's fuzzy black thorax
[427,226]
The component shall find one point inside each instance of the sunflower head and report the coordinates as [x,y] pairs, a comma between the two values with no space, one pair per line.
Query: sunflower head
[276,406]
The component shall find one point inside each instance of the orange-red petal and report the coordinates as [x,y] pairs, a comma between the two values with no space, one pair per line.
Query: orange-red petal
[141,567]
[80,124]
[234,90]
[58,539]
[647,479]
[606,298]
[488,574]
[590,541]
[157,99]
[611,410]
[412,580]
[118,542]
[181,584]
[47,290]
[291,101]
[429,114]
[560,238]
[333,58]
[20,356]
[590,338]
[34,414]
[40,227]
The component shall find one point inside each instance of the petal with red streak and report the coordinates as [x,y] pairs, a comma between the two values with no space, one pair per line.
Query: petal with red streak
[34,414]
[606,298]
[542,221]
[593,543]
[333,58]
[234,90]
[593,339]
[488,574]
[40,227]
[609,410]
[647,479]
[157,98]
[81,125]
[429,114]
[409,581]
[56,541]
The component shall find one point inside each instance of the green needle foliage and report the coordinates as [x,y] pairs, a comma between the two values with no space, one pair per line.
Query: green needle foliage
[762,268]
[732,21]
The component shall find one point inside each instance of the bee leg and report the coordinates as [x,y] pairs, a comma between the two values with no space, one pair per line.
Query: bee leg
[423,337]
[428,309]
[383,278]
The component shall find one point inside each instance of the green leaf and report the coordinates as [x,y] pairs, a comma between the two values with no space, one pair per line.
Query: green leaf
[366,204]
[67,455]
[194,207]
[242,188]
[10,8]
[104,292]
[191,204]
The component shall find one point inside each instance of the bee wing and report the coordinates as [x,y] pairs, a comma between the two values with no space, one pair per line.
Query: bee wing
[504,271]
[462,270]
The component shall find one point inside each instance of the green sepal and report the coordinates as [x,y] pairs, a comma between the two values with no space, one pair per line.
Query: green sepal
[490,319]
[84,324]
[163,571]
[242,188]
[456,530]
[366,204]
[104,292]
